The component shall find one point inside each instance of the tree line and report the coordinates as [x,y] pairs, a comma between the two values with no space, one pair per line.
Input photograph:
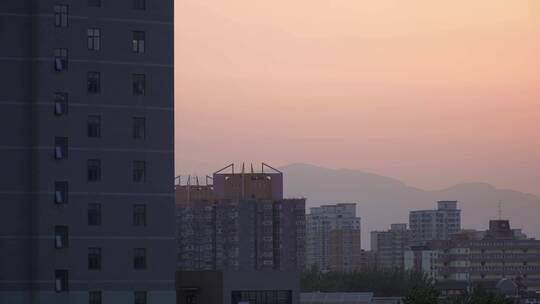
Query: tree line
[414,287]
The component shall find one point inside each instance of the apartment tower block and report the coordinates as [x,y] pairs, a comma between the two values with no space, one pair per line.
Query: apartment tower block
[87,140]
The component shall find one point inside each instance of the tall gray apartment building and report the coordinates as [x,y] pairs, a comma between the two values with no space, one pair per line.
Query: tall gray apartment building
[86,139]
[439,224]
[240,222]
[333,238]
[389,246]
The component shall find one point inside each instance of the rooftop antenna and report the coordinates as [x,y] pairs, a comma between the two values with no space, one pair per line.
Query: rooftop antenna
[500,210]
[243,182]
[251,168]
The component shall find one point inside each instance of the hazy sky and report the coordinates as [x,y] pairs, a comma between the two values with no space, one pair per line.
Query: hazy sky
[431,92]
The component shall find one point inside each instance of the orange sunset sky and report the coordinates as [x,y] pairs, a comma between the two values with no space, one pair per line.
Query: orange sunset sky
[431,92]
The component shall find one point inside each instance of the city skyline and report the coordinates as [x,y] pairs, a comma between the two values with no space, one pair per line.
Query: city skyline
[433,94]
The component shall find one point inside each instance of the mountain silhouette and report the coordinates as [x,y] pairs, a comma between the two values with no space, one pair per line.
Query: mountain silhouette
[383,200]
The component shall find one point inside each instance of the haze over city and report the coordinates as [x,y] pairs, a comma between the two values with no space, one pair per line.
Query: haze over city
[270,152]
[433,93]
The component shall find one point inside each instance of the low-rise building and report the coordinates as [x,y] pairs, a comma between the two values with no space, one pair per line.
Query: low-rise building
[234,287]
[474,257]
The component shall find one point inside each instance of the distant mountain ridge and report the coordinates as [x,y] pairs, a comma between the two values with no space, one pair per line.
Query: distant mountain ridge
[384,200]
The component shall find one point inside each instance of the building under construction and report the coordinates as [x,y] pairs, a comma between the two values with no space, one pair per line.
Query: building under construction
[239,221]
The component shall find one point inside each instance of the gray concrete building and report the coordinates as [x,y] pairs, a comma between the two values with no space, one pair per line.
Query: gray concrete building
[86,139]
[389,246]
[333,238]
[439,224]
[245,225]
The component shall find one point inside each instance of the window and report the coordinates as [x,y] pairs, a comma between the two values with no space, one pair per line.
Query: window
[94,297]
[139,4]
[61,192]
[61,280]
[140,297]
[94,82]
[60,103]
[94,3]
[139,39]
[60,147]
[94,126]
[139,127]
[190,298]
[139,84]
[61,237]
[139,215]
[94,258]
[60,60]
[61,15]
[139,258]
[94,214]
[94,170]
[94,39]
[139,171]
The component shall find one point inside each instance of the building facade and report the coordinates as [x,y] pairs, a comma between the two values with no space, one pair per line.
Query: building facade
[440,224]
[501,253]
[233,287]
[246,226]
[389,246]
[333,238]
[86,116]
[479,257]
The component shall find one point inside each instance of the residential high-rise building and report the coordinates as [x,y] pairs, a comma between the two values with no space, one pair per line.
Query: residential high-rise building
[241,222]
[440,224]
[333,238]
[86,138]
[389,246]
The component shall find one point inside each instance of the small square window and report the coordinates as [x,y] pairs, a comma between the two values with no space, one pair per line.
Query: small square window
[60,60]
[139,42]
[61,192]
[94,39]
[61,15]
[139,84]
[60,148]
[94,3]
[139,171]
[94,170]
[60,103]
[94,258]
[139,258]
[61,237]
[139,215]
[139,4]
[94,214]
[94,126]
[94,82]
[61,280]
[94,297]
[139,128]
[140,297]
